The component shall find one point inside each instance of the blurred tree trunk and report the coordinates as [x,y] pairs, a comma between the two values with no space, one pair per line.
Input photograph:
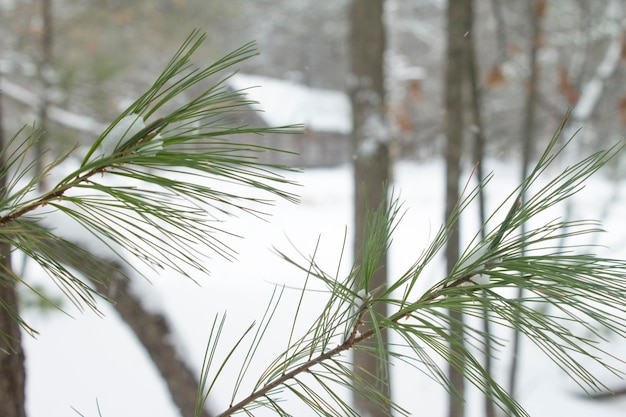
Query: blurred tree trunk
[370,147]
[44,69]
[12,371]
[151,329]
[536,9]
[478,131]
[459,31]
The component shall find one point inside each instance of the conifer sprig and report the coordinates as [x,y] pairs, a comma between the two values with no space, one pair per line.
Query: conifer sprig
[584,293]
[159,181]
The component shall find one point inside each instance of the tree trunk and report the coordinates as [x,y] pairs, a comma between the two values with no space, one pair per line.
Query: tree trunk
[459,29]
[370,145]
[480,140]
[12,371]
[44,67]
[528,132]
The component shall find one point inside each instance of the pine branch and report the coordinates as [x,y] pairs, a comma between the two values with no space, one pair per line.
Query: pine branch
[587,291]
[173,163]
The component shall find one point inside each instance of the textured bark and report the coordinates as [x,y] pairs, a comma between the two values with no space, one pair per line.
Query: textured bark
[371,163]
[459,29]
[12,371]
[152,330]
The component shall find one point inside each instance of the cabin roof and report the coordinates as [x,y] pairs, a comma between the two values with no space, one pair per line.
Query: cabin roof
[285,102]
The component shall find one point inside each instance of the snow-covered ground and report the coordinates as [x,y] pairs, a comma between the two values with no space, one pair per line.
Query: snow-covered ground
[80,362]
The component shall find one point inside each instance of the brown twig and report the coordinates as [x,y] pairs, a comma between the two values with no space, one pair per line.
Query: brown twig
[49,196]
[356,337]
[58,193]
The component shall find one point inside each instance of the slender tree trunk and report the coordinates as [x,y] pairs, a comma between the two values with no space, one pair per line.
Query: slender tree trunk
[12,367]
[370,139]
[478,130]
[459,27]
[44,68]
[12,372]
[528,131]
[501,36]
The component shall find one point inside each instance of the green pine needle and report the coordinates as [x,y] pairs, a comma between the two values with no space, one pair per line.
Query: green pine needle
[584,292]
[159,181]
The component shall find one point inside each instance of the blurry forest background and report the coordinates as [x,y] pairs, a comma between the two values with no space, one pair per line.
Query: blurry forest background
[71,66]
[102,52]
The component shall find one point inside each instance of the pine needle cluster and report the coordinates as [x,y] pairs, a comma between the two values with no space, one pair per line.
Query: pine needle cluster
[150,187]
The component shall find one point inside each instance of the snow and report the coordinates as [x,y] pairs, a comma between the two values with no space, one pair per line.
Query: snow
[375,133]
[125,129]
[59,115]
[593,89]
[77,363]
[7,5]
[287,103]
[411,73]
[475,255]
[84,361]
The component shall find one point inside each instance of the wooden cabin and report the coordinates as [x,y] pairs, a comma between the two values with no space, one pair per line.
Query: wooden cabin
[326,114]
